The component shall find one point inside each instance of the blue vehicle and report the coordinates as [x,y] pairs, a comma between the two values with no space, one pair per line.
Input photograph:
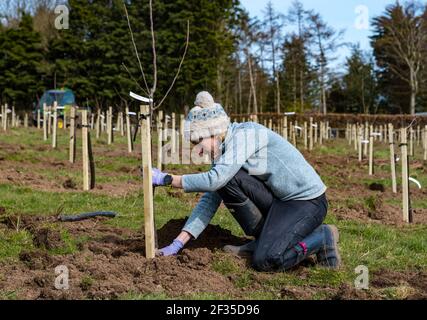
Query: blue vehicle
[65,99]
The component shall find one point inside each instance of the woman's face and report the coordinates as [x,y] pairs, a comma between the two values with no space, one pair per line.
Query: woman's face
[210,146]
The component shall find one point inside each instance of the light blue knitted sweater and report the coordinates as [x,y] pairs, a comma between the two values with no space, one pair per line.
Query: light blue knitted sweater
[262,153]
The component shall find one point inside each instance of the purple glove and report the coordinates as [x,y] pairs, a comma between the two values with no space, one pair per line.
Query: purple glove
[172,249]
[158,177]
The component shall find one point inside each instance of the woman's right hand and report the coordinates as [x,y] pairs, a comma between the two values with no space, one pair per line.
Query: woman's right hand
[171,250]
[175,246]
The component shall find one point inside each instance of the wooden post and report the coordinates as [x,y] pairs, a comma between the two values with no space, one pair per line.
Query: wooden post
[321,133]
[85,151]
[285,127]
[365,147]
[128,131]
[181,132]
[55,124]
[110,125]
[310,135]
[49,120]
[98,123]
[405,175]
[418,135]
[425,143]
[72,151]
[45,117]
[315,133]
[118,122]
[360,144]
[103,121]
[64,120]
[5,116]
[371,152]
[26,120]
[165,129]
[173,137]
[38,119]
[305,135]
[411,142]
[122,124]
[92,121]
[150,242]
[392,157]
[355,136]
[159,145]
[13,124]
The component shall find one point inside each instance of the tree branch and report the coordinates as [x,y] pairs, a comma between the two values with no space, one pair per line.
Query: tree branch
[135,48]
[179,68]
[153,89]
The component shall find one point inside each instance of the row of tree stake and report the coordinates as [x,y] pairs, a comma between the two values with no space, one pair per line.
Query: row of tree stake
[303,135]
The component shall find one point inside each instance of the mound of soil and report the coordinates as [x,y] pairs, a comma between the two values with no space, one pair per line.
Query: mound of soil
[110,263]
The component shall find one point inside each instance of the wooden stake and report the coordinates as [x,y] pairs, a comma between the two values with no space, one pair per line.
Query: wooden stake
[26,120]
[371,152]
[411,142]
[13,124]
[64,120]
[98,123]
[55,124]
[310,135]
[38,119]
[45,118]
[173,137]
[122,124]
[305,135]
[285,127]
[159,145]
[85,151]
[92,121]
[359,140]
[150,247]
[128,131]
[72,149]
[392,158]
[365,147]
[49,120]
[405,175]
[110,125]
[425,143]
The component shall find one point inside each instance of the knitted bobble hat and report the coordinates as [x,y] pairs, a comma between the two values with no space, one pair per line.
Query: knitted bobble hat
[206,119]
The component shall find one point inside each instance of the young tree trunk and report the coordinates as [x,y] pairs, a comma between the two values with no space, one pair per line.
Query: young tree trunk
[252,83]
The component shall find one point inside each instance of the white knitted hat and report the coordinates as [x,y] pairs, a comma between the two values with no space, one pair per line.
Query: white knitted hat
[206,119]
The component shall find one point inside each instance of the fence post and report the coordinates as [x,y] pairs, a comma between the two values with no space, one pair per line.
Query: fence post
[310,135]
[425,143]
[371,152]
[110,125]
[45,117]
[359,141]
[173,137]
[405,175]
[150,248]
[128,131]
[85,151]
[49,120]
[72,152]
[392,157]
[55,124]
[38,119]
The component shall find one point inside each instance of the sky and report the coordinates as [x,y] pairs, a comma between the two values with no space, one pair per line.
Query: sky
[350,15]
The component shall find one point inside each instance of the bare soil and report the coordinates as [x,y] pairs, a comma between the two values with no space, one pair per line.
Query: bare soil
[111,263]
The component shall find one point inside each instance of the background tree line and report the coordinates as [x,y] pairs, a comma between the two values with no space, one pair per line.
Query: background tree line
[279,62]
